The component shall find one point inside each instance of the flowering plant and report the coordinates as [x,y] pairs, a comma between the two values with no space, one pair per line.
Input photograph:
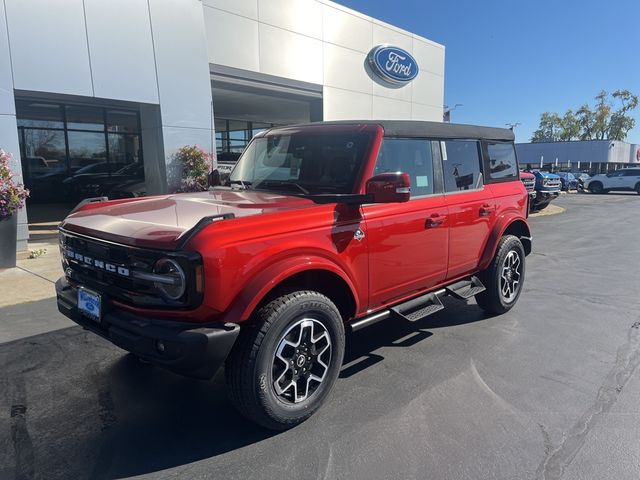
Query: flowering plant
[193,165]
[12,195]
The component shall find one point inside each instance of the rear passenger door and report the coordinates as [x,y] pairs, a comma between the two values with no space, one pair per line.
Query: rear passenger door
[408,242]
[471,206]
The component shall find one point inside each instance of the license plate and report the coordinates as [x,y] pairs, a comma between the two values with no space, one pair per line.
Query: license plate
[89,304]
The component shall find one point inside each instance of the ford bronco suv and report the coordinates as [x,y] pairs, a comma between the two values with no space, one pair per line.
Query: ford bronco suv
[322,228]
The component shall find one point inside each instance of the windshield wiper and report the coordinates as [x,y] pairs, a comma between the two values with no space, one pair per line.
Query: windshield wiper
[279,183]
[245,184]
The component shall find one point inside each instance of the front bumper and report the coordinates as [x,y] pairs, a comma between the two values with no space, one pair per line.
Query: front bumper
[192,350]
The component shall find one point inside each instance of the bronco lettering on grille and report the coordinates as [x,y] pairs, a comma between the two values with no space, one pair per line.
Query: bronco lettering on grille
[97,263]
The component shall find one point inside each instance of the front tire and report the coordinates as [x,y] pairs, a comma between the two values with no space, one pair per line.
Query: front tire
[286,361]
[596,187]
[504,277]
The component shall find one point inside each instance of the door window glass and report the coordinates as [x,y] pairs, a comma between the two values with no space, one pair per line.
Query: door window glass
[408,155]
[461,165]
[502,161]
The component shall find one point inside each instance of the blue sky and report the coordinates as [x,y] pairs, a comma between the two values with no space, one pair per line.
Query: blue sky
[508,61]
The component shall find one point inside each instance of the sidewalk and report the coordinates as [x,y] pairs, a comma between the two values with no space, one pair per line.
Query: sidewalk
[27,294]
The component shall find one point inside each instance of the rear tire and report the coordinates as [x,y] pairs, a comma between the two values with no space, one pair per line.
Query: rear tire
[504,277]
[287,359]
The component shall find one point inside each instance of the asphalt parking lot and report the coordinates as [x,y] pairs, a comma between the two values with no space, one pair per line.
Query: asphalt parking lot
[550,390]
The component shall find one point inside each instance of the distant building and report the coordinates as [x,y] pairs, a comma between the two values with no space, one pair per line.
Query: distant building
[591,156]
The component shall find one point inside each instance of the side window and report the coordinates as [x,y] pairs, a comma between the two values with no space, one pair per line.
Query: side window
[461,165]
[631,173]
[408,155]
[502,161]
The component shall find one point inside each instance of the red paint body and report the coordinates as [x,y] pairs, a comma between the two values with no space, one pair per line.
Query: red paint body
[408,247]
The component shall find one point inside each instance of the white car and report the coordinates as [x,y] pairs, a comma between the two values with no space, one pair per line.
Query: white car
[626,179]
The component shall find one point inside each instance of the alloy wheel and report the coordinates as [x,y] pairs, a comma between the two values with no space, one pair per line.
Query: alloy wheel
[301,360]
[510,276]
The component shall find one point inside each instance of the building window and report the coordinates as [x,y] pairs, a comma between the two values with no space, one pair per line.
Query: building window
[70,152]
[233,136]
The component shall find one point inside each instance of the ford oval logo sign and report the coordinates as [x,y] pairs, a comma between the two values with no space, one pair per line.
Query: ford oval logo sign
[393,64]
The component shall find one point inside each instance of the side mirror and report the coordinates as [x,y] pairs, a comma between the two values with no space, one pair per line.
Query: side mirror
[389,187]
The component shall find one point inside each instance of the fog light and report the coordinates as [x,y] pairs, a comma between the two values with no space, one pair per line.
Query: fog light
[160,346]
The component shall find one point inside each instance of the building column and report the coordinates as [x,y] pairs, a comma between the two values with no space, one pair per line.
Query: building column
[8,124]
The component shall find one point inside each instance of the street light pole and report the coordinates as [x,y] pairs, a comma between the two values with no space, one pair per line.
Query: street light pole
[446,115]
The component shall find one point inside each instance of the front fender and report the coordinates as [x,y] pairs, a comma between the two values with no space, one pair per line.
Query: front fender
[271,276]
[509,222]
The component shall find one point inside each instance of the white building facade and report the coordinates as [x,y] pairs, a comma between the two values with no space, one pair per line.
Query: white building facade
[116,87]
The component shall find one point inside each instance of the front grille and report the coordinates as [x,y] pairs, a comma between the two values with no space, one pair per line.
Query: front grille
[529,184]
[110,268]
[552,183]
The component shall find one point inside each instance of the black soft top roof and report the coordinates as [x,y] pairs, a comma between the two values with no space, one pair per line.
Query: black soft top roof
[417,128]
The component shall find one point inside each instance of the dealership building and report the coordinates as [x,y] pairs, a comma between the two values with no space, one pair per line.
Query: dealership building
[111,89]
[589,156]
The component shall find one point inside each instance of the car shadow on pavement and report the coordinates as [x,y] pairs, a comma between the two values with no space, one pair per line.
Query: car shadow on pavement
[361,347]
[81,408]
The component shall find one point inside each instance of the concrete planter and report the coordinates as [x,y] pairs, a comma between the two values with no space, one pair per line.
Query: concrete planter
[8,238]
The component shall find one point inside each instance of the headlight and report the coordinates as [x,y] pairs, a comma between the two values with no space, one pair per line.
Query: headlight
[172,283]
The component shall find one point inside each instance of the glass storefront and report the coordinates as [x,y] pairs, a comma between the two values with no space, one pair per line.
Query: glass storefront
[232,136]
[71,152]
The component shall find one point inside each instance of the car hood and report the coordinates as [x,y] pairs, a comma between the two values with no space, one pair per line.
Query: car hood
[600,176]
[548,175]
[160,221]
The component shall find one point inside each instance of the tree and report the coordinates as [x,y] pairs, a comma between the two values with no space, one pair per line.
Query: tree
[549,128]
[601,122]
[569,127]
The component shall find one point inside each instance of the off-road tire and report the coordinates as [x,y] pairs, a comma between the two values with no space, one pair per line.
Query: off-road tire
[248,369]
[596,187]
[492,300]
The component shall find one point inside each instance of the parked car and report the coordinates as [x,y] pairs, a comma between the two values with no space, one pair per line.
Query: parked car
[324,228]
[547,189]
[76,185]
[625,179]
[582,178]
[529,181]
[101,183]
[568,181]
[132,189]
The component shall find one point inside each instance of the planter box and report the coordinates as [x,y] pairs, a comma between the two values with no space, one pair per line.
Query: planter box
[8,239]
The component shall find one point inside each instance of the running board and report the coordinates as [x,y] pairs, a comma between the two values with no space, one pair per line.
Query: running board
[424,305]
[418,308]
[465,289]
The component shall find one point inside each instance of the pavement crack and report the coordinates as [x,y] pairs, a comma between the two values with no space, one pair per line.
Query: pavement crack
[20,437]
[557,459]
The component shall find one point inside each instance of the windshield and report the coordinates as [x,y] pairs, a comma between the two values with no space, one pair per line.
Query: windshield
[314,163]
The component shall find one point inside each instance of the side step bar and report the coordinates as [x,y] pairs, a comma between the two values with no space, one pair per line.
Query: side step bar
[465,289]
[424,305]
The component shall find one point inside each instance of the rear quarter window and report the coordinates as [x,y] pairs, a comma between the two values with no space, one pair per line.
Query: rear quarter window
[500,163]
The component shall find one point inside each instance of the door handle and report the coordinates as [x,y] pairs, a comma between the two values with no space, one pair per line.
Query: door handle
[486,210]
[435,220]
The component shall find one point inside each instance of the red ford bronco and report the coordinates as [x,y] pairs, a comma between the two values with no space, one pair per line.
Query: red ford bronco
[321,228]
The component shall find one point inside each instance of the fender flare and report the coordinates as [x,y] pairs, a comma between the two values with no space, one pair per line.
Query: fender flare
[503,223]
[273,275]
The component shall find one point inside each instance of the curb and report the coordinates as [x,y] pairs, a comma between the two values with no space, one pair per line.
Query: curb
[550,210]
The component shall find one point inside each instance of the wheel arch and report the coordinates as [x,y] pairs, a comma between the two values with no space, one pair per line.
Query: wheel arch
[507,226]
[317,275]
